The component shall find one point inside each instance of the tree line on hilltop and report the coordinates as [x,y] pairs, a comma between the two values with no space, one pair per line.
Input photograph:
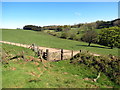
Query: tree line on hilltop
[97,25]
[109,35]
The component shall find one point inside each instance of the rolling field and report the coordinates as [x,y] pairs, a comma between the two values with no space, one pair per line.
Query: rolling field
[60,45]
[19,73]
[43,39]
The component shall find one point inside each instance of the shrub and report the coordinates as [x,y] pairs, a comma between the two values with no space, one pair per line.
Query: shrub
[110,37]
[64,35]
[106,64]
[72,36]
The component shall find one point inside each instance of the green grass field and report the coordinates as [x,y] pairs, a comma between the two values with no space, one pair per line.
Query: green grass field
[43,39]
[62,74]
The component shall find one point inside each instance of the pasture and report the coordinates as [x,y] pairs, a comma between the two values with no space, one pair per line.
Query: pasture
[43,39]
[19,73]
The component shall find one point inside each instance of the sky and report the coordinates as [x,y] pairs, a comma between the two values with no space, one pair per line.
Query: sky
[19,14]
[60,0]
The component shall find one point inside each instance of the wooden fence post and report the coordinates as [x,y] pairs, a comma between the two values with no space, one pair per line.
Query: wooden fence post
[38,53]
[87,51]
[72,53]
[47,54]
[61,54]
[80,51]
[23,55]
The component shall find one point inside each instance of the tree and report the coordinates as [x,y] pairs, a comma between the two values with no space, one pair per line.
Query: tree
[32,27]
[90,36]
[110,37]
[66,28]
[88,26]
[59,28]
[116,22]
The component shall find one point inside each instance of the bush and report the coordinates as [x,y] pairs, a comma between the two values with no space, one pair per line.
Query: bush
[108,65]
[72,36]
[110,37]
[58,35]
[52,33]
[64,35]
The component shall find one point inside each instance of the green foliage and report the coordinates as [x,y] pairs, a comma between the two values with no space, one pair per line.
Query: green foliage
[98,24]
[64,35]
[110,37]
[103,24]
[90,36]
[109,65]
[52,33]
[32,27]
[72,36]
[88,26]
[66,28]
[57,28]
[81,30]
[116,22]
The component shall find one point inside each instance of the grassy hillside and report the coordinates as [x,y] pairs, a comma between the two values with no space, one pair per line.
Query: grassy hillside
[11,49]
[43,39]
[18,73]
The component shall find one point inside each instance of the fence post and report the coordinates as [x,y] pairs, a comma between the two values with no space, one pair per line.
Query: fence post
[87,51]
[23,55]
[72,53]
[61,54]
[80,51]
[33,47]
[47,54]
[38,52]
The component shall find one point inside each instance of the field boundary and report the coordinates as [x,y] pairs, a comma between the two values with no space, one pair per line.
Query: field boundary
[51,53]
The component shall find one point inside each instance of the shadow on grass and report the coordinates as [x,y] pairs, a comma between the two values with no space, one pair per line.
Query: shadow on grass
[94,46]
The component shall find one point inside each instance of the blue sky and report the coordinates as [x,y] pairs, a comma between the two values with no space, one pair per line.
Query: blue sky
[18,14]
[60,0]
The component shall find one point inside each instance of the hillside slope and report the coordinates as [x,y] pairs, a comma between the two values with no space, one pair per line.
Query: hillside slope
[43,39]
[24,73]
